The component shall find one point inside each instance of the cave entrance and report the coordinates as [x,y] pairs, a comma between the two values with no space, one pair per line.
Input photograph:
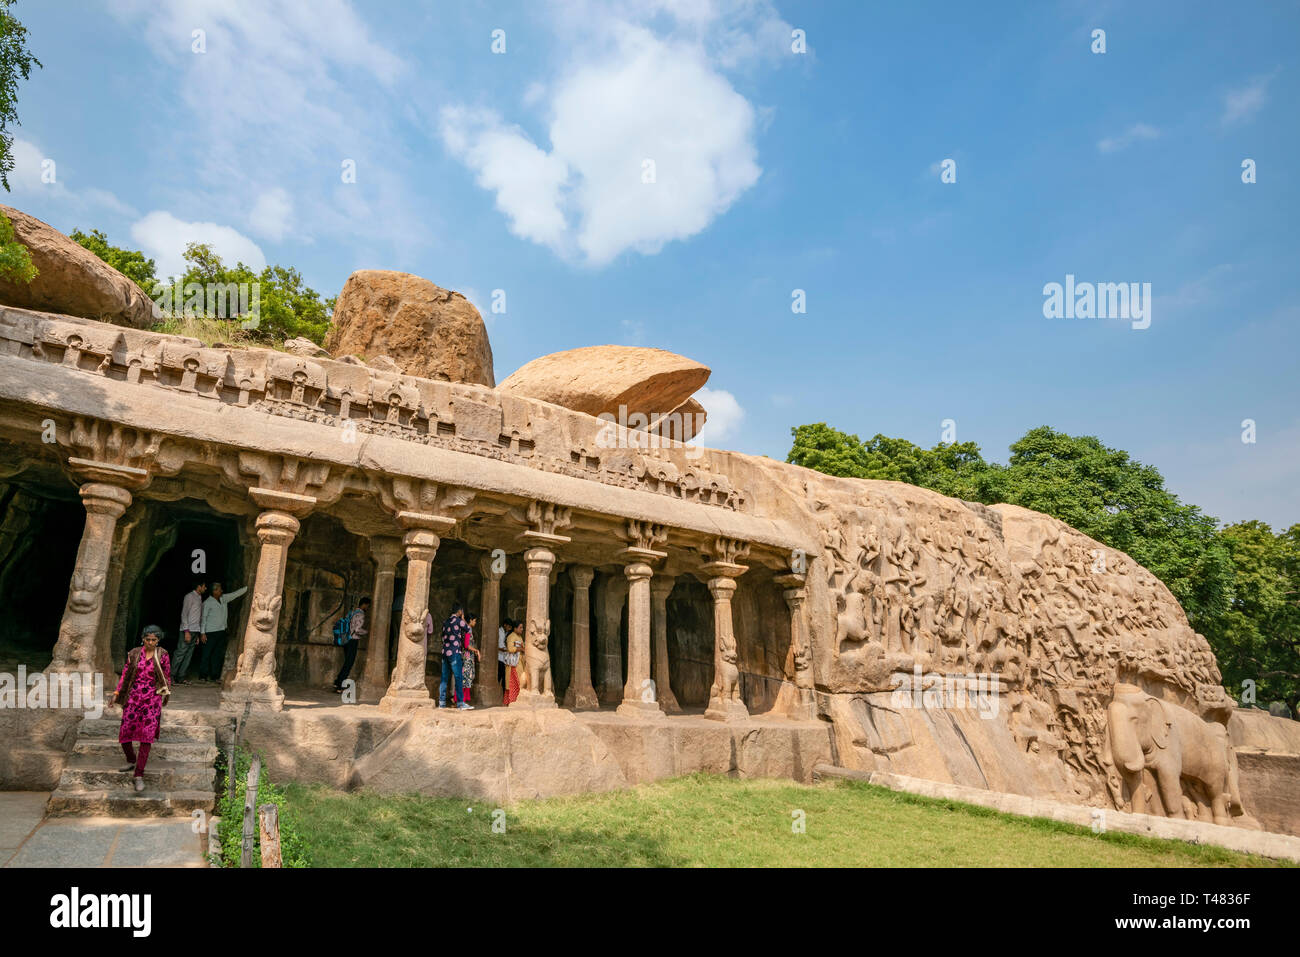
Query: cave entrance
[187,545]
[39,537]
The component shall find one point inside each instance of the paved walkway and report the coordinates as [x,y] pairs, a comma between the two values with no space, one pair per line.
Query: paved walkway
[29,839]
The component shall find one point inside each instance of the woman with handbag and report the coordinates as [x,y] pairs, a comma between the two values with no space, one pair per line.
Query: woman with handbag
[146,683]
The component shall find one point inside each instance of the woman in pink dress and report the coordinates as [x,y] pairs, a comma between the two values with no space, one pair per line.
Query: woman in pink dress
[146,682]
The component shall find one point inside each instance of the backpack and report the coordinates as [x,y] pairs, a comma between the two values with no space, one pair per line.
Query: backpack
[343,629]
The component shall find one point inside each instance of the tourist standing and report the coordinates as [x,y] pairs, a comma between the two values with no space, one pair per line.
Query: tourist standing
[514,645]
[356,630]
[191,629]
[216,617]
[472,660]
[453,657]
[507,626]
[146,683]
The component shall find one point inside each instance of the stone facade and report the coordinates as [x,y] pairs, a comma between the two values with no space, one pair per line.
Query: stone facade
[654,578]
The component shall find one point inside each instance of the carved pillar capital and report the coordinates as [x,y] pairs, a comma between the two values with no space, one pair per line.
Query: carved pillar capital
[539,561]
[420,544]
[277,528]
[581,576]
[637,572]
[386,550]
[722,588]
[101,499]
[492,568]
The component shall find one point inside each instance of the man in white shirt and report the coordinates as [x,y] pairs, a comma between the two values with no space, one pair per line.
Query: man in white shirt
[191,631]
[215,621]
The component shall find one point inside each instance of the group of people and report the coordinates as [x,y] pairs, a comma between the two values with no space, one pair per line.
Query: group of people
[204,624]
[461,657]
[145,684]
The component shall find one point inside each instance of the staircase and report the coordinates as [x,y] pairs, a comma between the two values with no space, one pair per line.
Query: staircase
[179,778]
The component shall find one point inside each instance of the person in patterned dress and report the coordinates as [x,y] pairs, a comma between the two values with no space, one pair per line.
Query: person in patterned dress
[146,683]
[514,644]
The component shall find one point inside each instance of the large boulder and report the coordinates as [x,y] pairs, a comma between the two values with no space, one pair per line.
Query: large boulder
[596,379]
[429,331]
[72,280]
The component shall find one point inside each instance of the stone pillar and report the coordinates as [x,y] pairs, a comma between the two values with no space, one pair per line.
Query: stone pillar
[639,697]
[487,689]
[725,702]
[407,689]
[581,696]
[538,691]
[797,699]
[660,588]
[387,552]
[254,683]
[78,647]
[609,654]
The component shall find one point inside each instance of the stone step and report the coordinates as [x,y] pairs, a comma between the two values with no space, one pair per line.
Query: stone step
[94,773]
[175,751]
[129,803]
[169,732]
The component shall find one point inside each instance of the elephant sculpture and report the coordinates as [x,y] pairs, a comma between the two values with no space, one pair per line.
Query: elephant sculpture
[1145,733]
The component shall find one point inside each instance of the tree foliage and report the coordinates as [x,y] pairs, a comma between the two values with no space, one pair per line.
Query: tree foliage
[15,61]
[1240,586]
[1260,635]
[280,305]
[272,305]
[15,261]
[129,262]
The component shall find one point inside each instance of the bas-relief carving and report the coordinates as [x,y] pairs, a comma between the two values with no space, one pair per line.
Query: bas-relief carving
[1059,619]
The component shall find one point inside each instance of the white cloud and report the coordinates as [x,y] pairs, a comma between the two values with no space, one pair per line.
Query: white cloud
[1136,132]
[163,238]
[526,180]
[26,182]
[284,87]
[271,214]
[1242,104]
[629,96]
[724,415]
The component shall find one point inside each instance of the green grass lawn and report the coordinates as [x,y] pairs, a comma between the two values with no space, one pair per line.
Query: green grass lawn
[709,820]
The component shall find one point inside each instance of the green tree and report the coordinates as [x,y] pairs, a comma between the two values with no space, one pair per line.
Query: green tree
[1107,494]
[1259,639]
[129,262]
[15,61]
[279,305]
[15,261]
[956,469]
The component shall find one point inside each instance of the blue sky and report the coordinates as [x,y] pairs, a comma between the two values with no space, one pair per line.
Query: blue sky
[774,170]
